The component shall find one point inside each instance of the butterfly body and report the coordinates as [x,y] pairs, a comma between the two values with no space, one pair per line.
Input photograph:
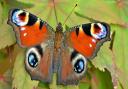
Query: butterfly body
[59,37]
[65,53]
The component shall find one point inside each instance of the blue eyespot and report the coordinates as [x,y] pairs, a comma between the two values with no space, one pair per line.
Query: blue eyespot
[17,19]
[102,31]
[32,60]
[79,66]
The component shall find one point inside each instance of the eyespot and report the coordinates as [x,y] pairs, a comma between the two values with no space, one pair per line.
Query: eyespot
[79,64]
[33,58]
[98,31]
[20,17]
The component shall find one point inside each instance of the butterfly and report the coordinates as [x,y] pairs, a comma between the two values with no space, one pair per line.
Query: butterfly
[48,51]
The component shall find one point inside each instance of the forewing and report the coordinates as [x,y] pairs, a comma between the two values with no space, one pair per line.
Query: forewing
[88,38]
[30,30]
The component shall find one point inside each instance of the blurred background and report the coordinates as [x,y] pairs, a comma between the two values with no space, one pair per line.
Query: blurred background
[108,70]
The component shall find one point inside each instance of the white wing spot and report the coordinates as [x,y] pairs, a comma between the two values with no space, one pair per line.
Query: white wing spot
[22,28]
[90,45]
[25,34]
[93,40]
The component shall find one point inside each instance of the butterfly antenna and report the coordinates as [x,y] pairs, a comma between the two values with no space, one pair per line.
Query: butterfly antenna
[55,11]
[70,13]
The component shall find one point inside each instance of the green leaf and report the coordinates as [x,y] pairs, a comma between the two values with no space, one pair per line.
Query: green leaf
[7,36]
[5,80]
[21,79]
[100,79]
[4,85]
[110,11]
[2,55]
[120,51]
[42,85]
[0,13]
[84,86]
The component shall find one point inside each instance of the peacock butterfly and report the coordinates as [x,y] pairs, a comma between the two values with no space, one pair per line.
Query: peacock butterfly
[65,53]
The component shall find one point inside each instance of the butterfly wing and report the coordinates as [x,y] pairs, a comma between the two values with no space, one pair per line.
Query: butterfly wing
[81,43]
[30,30]
[88,38]
[38,36]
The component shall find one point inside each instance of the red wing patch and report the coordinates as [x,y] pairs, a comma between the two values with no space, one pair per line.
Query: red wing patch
[30,30]
[84,39]
[31,35]
[83,43]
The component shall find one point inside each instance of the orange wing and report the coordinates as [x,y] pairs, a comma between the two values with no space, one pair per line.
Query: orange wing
[29,29]
[87,38]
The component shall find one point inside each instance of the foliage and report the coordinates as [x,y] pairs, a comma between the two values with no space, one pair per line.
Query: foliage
[106,71]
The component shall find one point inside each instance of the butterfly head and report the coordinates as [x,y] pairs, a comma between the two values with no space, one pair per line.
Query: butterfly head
[59,27]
